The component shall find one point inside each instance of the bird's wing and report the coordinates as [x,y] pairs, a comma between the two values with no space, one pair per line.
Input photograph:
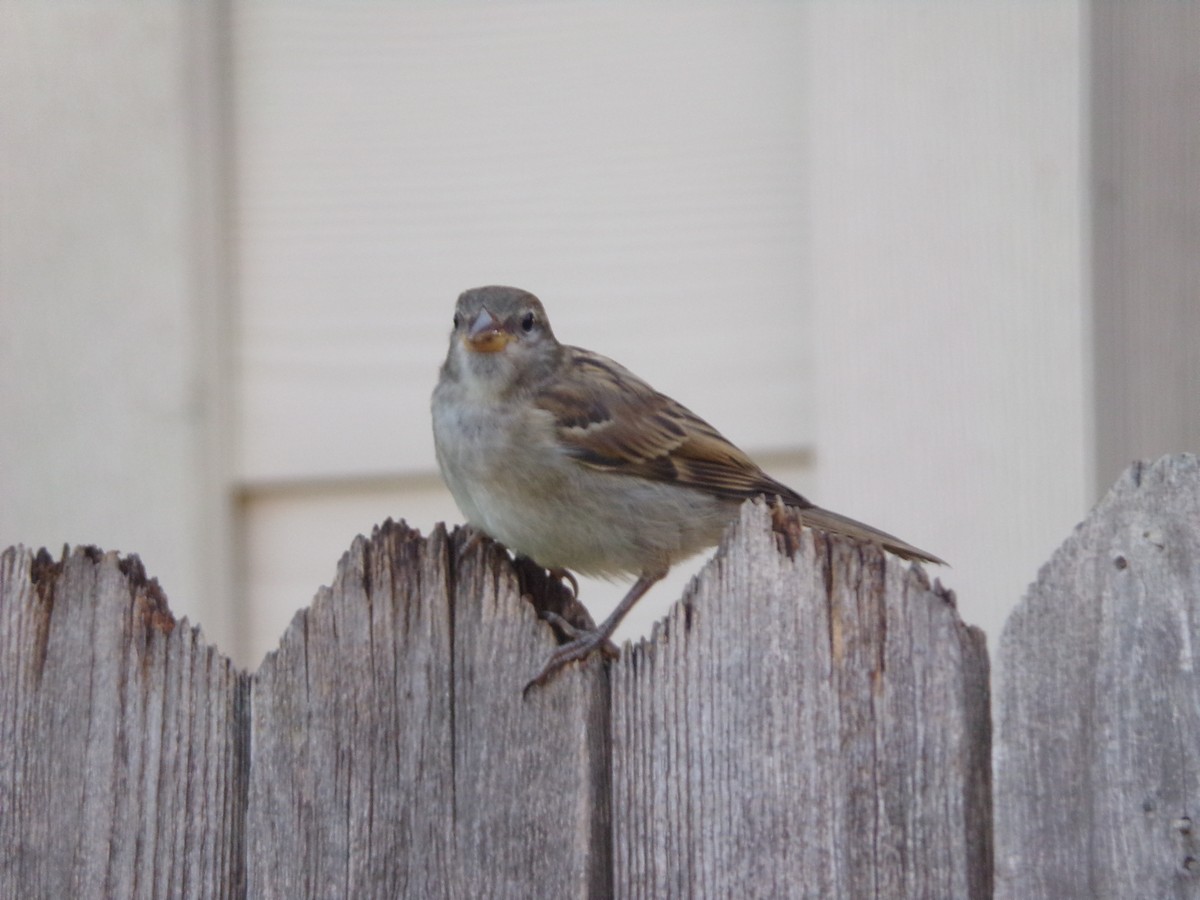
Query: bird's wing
[609,419]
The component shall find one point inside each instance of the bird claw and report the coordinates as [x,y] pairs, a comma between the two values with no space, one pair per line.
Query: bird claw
[561,575]
[588,640]
[585,643]
[577,634]
[477,538]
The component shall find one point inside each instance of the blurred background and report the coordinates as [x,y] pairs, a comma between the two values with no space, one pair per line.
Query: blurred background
[934,264]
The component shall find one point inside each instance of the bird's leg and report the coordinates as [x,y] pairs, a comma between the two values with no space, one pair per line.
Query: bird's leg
[575,633]
[588,642]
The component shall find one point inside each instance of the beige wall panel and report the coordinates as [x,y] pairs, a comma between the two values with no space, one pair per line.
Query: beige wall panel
[112,291]
[855,229]
[947,203]
[639,167]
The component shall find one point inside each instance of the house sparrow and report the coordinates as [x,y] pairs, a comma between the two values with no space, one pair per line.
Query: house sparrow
[570,459]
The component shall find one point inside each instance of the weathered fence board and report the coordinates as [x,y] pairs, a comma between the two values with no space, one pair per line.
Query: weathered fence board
[123,738]
[812,720]
[838,748]
[394,754]
[386,748]
[1098,703]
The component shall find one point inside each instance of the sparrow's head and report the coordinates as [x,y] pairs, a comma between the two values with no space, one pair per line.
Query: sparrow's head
[501,334]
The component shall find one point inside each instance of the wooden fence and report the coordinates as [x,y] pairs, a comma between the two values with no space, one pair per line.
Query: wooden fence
[812,720]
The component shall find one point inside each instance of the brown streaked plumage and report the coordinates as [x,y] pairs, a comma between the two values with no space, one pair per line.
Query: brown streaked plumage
[569,458]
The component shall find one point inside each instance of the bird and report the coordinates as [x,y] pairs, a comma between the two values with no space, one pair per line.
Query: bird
[568,458]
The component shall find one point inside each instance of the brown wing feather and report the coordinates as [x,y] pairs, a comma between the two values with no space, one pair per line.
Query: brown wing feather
[610,419]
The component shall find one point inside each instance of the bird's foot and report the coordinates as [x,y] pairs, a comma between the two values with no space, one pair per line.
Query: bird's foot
[575,633]
[582,645]
[586,641]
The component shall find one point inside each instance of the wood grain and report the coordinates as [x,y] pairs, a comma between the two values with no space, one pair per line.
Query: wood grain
[811,720]
[806,723]
[1098,703]
[789,731]
[394,754]
[123,737]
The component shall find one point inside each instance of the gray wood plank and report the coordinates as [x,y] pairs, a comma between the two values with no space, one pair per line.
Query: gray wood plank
[123,747]
[811,721]
[1097,760]
[394,754]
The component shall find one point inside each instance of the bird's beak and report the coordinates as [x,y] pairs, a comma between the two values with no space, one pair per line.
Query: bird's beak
[486,334]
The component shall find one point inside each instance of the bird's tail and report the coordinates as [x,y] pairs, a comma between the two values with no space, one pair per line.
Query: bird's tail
[835,523]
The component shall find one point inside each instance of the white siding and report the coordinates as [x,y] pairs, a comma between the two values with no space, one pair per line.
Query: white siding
[862,238]
[112,292]
[640,168]
[949,282]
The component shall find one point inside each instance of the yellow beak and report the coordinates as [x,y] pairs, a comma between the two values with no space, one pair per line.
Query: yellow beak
[486,335]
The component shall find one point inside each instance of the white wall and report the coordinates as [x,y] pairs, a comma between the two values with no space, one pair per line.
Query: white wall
[640,168]
[885,199]
[857,236]
[112,292]
[948,258]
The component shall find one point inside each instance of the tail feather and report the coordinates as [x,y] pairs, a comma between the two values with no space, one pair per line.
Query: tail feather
[835,523]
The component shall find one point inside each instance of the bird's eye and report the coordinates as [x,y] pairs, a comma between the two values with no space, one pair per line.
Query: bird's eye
[456,321]
[527,322]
